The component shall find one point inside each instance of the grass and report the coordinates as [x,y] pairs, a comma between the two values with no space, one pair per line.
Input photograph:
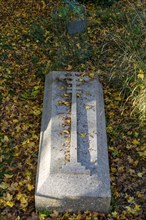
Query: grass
[130,66]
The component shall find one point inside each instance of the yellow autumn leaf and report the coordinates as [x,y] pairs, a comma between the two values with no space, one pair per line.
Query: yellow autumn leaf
[129,209]
[131,199]
[135,142]
[140,195]
[43,4]
[81,79]
[79,216]
[23,202]
[63,103]
[28,175]
[6,139]
[137,207]
[2,201]
[114,214]
[10,203]
[117,194]
[141,71]
[78,46]
[69,67]
[114,170]
[141,76]
[36,112]
[140,174]
[130,160]
[8,176]
[15,120]
[66,95]
[87,212]
[142,154]
[88,107]
[54,214]
[18,196]
[66,132]
[20,183]
[18,128]
[30,187]
[131,171]
[83,135]
[28,161]
[109,128]
[13,186]
[4,185]
[32,144]
[82,65]
[8,197]
[121,169]
[92,75]
[118,98]
[16,154]
[68,121]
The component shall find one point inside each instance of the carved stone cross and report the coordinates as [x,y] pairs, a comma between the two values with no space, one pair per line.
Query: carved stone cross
[74,166]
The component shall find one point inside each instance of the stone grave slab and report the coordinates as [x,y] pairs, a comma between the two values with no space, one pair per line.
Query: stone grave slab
[73,167]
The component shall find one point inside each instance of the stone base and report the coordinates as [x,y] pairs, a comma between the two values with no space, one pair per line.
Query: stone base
[65,192]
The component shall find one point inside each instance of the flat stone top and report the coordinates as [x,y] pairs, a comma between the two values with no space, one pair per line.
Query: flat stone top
[73,156]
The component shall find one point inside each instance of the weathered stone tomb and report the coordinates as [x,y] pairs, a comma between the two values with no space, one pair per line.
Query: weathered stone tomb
[73,168]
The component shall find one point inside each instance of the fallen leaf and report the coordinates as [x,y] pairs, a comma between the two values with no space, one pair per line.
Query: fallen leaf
[66,132]
[91,75]
[140,174]
[30,187]
[83,135]
[8,176]
[4,185]
[141,76]
[68,121]
[69,67]
[88,107]
[8,197]
[135,142]
[10,203]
